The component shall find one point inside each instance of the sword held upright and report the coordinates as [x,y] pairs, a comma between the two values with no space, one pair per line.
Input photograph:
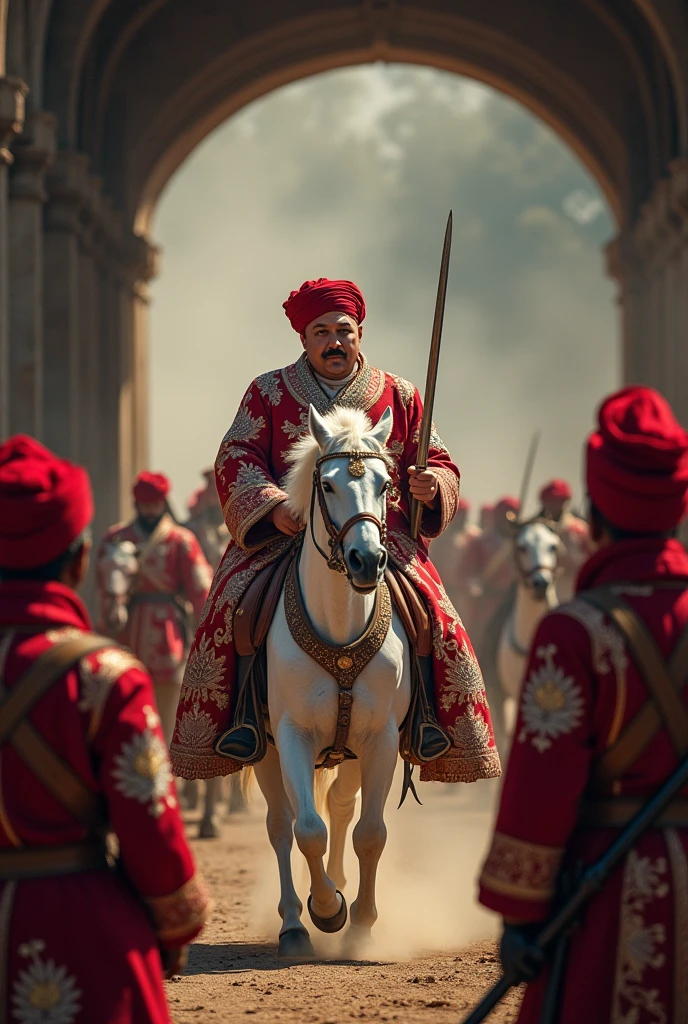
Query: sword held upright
[431,380]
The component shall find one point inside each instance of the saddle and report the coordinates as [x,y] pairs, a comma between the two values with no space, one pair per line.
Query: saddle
[421,738]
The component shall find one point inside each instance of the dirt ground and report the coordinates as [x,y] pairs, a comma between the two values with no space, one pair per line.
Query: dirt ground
[434,953]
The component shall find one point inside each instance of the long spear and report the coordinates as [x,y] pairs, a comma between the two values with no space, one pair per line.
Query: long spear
[431,379]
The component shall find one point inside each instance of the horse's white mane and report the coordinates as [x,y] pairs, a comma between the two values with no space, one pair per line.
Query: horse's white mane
[351,430]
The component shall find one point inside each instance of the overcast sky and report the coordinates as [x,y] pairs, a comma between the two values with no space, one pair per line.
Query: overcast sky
[351,174]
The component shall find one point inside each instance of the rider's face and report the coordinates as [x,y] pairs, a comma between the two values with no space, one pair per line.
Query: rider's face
[151,511]
[332,343]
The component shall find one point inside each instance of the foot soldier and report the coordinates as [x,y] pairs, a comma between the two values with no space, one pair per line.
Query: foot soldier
[603,723]
[81,936]
[209,738]
[152,579]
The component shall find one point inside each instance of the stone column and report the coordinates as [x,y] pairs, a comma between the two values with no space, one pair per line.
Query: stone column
[679,205]
[12,94]
[33,155]
[68,193]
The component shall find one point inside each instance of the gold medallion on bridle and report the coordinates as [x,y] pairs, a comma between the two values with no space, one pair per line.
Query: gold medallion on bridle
[345,663]
[356,467]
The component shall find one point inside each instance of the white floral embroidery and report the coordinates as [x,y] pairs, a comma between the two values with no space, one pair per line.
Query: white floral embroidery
[248,475]
[295,430]
[608,648]
[44,993]
[405,388]
[204,675]
[97,681]
[143,769]
[245,426]
[268,385]
[551,705]
[639,940]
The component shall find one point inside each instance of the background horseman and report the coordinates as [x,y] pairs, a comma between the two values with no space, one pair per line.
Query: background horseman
[251,463]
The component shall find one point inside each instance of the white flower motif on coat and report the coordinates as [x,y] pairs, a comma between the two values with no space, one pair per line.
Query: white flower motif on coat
[268,385]
[44,993]
[142,772]
[197,729]
[296,430]
[248,475]
[552,705]
[405,388]
[204,675]
[99,673]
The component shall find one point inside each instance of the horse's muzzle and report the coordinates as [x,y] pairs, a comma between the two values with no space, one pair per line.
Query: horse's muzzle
[366,568]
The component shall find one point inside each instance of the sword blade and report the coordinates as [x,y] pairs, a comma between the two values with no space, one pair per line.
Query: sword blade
[528,472]
[431,379]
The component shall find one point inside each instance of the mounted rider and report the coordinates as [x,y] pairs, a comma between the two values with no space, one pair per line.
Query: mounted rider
[83,754]
[555,502]
[603,723]
[251,463]
[170,586]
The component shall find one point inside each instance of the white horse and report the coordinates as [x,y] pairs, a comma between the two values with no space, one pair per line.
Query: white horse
[303,698]
[117,569]
[537,548]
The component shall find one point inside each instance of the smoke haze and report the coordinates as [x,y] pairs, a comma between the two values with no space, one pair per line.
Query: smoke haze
[351,174]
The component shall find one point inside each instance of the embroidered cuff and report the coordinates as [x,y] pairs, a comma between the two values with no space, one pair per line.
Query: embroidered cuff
[520,870]
[245,508]
[179,917]
[456,767]
[435,521]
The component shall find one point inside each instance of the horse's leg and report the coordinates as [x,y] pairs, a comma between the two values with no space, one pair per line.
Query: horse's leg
[294,939]
[341,803]
[167,698]
[237,801]
[326,906]
[370,834]
[208,829]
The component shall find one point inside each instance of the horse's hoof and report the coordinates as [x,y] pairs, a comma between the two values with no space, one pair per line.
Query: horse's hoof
[208,829]
[295,944]
[329,924]
[357,943]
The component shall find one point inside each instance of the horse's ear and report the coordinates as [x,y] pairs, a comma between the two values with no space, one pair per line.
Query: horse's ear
[383,427]
[318,427]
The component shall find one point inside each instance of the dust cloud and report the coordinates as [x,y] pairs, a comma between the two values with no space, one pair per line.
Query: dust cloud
[351,174]
[427,878]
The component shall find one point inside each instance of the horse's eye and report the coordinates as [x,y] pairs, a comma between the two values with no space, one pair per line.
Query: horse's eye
[522,547]
[327,487]
[385,487]
[553,548]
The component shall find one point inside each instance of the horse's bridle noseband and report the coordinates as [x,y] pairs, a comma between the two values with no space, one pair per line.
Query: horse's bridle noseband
[335,560]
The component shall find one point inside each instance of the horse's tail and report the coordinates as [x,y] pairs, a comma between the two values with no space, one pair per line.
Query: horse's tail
[247,778]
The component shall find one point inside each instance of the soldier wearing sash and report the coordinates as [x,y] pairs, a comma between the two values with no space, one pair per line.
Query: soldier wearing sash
[603,722]
[170,587]
[81,753]
[250,466]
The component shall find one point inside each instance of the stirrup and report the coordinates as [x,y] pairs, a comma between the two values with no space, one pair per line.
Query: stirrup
[241,743]
[433,742]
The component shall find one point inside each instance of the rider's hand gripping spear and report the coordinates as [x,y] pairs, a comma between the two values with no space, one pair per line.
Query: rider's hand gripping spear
[431,380]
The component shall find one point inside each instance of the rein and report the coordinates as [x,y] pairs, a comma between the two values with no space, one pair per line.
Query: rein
[335,560]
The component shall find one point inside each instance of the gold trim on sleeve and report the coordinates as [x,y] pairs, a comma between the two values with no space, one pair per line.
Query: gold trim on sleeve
[524,871]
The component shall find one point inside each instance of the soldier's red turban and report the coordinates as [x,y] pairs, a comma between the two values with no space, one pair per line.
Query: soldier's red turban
[45,503]
[504,505]
[637,462]
[464,505]
[151,487]
[323,296]
[556,490]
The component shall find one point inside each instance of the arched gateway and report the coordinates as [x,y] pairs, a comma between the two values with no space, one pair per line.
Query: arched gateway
[101,100]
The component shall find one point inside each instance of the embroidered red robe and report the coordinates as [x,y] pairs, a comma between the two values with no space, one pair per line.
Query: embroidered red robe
[628,959]
[171,562]
[82,947]
[249,469]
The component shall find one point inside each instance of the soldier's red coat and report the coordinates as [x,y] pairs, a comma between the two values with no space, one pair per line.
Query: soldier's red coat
[249,469]
[82,947]
[170,562]
[628,961]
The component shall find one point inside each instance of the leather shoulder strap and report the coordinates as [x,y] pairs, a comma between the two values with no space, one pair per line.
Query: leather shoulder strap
[664,681]
[41,675]
[52,771]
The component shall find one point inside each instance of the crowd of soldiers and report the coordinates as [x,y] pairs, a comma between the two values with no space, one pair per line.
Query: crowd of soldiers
[87,720]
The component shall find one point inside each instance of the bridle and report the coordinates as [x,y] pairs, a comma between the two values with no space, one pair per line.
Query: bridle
[526,577]
[335,560]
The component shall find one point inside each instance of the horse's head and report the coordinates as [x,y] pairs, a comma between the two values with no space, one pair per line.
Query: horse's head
[349,477]
[536,549]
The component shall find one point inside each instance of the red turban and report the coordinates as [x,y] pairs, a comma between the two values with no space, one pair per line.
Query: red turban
[637,462]
[45,503]
[464,505]
[556,490]
[504,505]
[323,296]
[151,487]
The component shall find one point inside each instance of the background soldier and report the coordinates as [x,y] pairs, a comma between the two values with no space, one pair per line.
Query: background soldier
[206,521]
[85,750]
[171,572]
[555,499]
[591,745]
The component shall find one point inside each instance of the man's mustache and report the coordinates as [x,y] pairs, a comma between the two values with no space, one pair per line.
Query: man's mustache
[333,352]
